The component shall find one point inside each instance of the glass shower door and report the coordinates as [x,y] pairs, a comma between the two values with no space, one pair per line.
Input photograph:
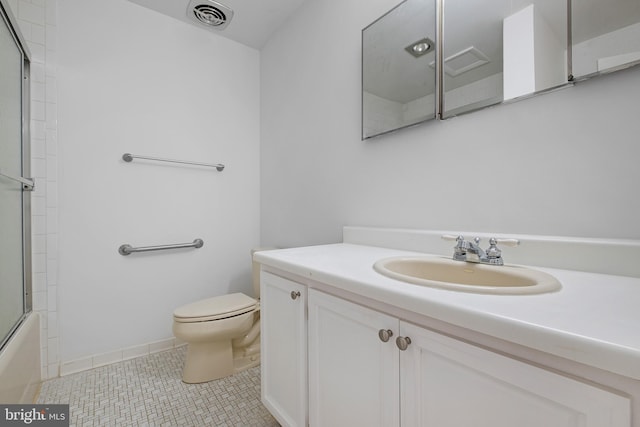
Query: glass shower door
[14,201]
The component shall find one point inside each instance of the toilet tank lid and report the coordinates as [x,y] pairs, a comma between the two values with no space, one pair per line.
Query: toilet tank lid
[216,306]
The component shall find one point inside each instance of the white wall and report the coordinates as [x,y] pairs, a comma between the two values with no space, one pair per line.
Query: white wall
[132,80]
[564,163]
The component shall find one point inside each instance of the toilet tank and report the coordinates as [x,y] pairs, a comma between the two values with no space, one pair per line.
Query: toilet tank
[256,272]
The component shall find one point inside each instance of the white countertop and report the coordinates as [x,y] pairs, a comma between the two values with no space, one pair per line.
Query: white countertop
[594,319]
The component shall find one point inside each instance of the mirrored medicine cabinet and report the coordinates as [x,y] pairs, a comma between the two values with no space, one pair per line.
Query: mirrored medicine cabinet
[435,59]
[605,36]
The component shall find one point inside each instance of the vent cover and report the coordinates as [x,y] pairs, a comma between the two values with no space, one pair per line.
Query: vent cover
[210,13]
[463,61]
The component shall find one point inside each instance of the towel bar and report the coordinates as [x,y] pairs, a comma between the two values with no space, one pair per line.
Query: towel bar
[128,157]
[128,249]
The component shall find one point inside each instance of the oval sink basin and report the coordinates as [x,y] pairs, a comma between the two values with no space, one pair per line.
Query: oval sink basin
[446,273]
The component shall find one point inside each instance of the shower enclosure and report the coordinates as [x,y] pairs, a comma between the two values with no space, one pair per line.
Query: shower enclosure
[15,186]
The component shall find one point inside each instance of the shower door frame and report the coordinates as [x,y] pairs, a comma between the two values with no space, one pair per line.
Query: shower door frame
[8,19]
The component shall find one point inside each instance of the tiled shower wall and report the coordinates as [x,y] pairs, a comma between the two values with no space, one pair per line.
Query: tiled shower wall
[37,20]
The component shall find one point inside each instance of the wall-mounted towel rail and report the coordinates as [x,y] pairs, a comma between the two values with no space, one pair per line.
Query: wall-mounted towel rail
[128,249]
[128,157]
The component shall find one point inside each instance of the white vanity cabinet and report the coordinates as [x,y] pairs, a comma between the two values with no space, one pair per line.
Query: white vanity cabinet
[358,377]
[283,353]
[353,374]
[448,383]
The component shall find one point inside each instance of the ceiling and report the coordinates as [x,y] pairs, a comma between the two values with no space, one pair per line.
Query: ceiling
[253,22]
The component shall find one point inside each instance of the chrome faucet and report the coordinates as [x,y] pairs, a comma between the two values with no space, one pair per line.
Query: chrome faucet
[472,252]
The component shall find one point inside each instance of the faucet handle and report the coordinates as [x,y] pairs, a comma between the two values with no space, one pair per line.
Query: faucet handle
[460,249]
[493,252]
[460,242]
[506,242]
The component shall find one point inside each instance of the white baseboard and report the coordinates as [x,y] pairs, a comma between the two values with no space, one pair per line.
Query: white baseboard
[103,359]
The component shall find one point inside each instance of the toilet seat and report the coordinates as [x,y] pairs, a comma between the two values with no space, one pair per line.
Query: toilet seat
[215,308]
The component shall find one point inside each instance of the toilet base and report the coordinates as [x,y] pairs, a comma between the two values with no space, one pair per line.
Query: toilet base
[198,366]
[247,358]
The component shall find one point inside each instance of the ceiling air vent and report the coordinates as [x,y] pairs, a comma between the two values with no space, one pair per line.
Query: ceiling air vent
[210,13]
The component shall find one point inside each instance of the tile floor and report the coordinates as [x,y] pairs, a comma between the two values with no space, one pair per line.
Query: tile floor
[147,391]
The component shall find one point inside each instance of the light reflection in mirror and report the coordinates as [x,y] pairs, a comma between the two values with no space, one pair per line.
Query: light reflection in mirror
[507,50]
[605,36]
[398,86]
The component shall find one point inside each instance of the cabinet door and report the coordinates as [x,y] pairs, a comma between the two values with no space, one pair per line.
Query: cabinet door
[353,374]
[448,383]
[283,352]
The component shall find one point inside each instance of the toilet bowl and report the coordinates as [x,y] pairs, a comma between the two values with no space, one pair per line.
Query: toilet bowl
[222,334]
[209,328]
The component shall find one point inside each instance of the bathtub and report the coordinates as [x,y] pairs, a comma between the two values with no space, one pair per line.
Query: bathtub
[20,363]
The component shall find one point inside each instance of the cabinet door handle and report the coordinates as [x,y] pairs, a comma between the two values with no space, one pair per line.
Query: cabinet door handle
[295,294]
[403,342]
[385,334]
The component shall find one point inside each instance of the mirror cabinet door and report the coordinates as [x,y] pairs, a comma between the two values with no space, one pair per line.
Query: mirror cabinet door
[492,51]
[498,50]
[605,36]
[398,84]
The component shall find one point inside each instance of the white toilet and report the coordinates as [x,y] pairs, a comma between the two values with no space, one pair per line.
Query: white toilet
[222,333]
